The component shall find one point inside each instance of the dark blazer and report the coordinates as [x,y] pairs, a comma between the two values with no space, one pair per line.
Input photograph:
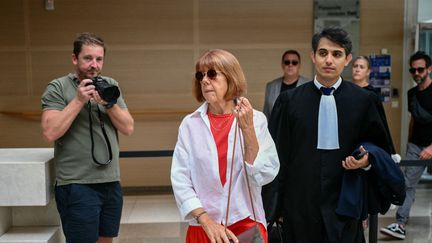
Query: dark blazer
[311,179]
[371,192]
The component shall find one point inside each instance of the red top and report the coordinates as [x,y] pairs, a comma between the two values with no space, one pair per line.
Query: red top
[220,126]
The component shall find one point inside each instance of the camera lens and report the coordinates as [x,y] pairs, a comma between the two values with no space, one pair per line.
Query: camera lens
[110,94]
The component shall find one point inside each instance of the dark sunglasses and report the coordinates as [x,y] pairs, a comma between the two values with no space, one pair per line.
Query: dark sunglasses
[419,70]
[293,62]
[211,74]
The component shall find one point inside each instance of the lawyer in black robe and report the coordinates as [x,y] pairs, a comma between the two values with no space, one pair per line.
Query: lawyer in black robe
[310,178]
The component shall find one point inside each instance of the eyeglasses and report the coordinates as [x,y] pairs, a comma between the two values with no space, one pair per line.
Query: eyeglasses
[419,70]
[211,74]
[293,62]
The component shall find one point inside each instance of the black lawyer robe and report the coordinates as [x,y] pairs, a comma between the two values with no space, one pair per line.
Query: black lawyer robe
[310,179]
[381,111]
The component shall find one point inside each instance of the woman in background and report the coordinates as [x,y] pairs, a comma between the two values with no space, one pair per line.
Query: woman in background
[202,157]
[360,75]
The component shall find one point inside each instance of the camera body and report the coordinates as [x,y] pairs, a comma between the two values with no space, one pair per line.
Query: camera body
[107,92]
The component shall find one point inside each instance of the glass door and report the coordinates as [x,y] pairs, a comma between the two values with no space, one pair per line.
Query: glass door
[424,38]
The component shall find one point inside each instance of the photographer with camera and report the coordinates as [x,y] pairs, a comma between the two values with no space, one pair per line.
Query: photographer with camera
[82,113]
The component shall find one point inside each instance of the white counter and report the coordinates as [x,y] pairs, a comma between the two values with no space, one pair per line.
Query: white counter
[25,176]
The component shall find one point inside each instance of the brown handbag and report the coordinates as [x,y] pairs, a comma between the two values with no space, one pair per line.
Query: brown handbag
[252,235]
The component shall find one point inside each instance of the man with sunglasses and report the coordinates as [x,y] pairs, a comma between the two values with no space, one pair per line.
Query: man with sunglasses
[290,64]
[419,145]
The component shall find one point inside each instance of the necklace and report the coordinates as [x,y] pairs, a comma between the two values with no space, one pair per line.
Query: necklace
[220,122]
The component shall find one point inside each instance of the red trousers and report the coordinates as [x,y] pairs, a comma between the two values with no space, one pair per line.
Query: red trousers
[196,234]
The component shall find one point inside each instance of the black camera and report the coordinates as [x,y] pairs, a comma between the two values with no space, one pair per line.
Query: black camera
[107,92]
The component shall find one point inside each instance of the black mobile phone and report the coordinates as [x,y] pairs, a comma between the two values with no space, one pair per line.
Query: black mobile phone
[360,155]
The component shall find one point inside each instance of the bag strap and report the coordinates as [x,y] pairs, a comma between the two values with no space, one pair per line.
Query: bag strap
[237,130]
[104,134]
[246,175]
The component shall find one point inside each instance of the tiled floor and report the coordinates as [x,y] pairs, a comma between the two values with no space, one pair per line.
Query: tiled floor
[156,219]
[152,219]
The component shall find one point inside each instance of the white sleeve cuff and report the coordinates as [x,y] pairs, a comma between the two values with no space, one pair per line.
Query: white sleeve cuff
[367,167]
[188,206]
[396,158]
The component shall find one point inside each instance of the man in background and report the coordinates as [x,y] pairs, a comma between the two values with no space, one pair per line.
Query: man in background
[291,63]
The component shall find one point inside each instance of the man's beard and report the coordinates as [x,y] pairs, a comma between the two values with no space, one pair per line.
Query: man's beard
[86,75]
[420,79]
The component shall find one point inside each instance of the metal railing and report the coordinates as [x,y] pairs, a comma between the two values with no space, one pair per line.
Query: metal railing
[154,153]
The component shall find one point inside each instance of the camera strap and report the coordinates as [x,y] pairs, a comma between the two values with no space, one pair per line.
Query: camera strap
[103,132]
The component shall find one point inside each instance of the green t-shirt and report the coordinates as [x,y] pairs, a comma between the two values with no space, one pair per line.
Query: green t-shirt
[72,151]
